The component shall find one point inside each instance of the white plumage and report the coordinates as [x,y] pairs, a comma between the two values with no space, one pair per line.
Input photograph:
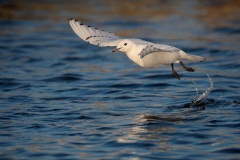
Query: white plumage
[143,53]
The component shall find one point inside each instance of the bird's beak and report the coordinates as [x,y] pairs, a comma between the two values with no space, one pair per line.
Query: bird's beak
[116,49]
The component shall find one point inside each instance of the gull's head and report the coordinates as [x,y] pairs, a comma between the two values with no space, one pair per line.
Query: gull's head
[124,46]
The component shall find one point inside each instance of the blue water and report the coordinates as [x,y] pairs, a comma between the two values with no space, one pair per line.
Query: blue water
[62,98]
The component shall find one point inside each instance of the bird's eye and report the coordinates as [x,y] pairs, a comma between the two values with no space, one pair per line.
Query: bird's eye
[125,44]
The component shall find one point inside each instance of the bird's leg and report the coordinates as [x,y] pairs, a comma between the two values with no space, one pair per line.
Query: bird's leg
[175,73]
[186,68]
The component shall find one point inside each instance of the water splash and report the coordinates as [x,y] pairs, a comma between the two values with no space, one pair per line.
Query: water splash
[195,89]
[204,94]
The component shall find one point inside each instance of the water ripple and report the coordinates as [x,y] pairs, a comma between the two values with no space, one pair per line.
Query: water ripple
[64,78]
[62,98]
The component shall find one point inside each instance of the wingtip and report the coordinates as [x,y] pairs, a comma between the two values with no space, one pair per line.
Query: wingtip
[75,20]
[72,19]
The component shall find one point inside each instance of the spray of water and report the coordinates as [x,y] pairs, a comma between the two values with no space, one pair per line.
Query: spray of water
[204,94]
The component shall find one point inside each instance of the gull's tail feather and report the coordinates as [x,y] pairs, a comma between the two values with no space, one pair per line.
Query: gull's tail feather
[192,57]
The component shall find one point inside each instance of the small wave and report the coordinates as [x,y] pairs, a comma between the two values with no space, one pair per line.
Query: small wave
[65,77]
[57,98]
[158,85]
[4,82]
[229,150]
[161,117]
[227,30]
[84,117]
[74,59]
[130,85]
[158,76]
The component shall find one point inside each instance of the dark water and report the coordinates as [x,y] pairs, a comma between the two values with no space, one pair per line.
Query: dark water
[62,98]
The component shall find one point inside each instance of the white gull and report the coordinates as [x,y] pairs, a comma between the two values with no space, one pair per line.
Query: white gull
[143,53]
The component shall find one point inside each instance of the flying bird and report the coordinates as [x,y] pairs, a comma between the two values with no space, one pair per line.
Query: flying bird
[143,53]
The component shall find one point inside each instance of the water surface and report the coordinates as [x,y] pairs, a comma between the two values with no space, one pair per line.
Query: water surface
[62,98]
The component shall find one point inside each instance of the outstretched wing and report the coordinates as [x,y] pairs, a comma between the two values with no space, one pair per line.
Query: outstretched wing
[152,48]
[93,35]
